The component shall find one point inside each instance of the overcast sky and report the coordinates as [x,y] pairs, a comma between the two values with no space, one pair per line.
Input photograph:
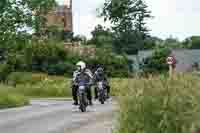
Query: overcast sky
[179,18]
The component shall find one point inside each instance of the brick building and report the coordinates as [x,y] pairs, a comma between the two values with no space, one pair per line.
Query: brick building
[62,17]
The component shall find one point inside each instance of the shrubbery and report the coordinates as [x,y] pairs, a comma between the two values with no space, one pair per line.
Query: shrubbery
[157,62]
[15,78]
[5,70]
[52,58]
[39,85]
[160,105]
[43,85]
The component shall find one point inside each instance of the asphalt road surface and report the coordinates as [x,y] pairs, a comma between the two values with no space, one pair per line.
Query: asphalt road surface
[56,116]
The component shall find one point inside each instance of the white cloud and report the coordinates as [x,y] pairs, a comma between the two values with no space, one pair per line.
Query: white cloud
[85,16]
[180,18]
[85,24]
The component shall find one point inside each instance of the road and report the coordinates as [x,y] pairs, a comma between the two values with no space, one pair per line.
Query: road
[57,116]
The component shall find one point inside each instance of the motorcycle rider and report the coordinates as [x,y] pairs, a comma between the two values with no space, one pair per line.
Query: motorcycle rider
[81,74]
[100,75]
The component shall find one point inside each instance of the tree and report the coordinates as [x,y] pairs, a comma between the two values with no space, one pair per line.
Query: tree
[17,15]
[101,37]
[80,38]
[128,18]
[150,43]
[172,42]
[192,42]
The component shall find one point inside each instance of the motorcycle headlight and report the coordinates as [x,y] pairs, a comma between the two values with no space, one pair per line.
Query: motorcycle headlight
[81,87]
[100,85]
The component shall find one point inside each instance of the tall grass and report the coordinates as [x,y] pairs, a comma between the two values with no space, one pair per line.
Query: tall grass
[160,105]
[9,99]
[40,85]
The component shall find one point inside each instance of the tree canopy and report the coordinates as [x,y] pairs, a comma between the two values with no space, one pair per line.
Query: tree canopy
[16,16]
[128,18]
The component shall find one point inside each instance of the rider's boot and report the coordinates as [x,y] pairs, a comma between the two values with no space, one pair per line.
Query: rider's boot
[75,103]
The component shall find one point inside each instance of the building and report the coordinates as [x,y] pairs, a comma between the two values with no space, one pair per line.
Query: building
[186,59]
[61,16]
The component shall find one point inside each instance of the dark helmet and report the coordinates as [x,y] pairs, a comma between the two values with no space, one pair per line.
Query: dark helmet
[100,70]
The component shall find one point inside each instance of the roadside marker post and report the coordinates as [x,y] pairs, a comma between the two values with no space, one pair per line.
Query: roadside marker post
[171,61]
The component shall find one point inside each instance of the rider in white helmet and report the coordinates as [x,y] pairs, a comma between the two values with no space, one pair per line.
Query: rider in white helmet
[81,73]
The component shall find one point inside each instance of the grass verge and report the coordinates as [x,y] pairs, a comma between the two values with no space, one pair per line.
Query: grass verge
[160,105]
[9,99]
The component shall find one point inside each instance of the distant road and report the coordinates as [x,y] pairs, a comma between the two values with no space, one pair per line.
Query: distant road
[56,116]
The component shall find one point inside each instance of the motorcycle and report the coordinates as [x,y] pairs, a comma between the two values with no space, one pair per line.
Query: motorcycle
[83,102]
[102,92]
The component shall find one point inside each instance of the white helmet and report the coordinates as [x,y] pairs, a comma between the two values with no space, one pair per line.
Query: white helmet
[81,64]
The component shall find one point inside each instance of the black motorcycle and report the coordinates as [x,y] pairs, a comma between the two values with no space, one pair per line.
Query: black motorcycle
[102,92]
[83,101]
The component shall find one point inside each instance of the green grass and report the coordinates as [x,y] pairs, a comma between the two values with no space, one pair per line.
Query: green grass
[42,85]
[8,99]
[23,85]
[154,105]
[159,105]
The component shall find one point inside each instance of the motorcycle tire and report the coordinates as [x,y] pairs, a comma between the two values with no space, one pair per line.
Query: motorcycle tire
[82,103]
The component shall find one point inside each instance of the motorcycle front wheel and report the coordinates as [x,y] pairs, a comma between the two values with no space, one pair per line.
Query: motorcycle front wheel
[82,103]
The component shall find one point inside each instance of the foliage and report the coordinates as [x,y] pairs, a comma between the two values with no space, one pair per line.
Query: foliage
[15,78]
[53,58]
[159,105]
[128,18]
[151,43]
[55,32]
[192,42]
[9,99]
[101,37]
[172,43]
[40,9]
[80,38]
[43,85]
[29,85]
[4,71]
[157,62]
[116,66]
[17,16]
[39,85]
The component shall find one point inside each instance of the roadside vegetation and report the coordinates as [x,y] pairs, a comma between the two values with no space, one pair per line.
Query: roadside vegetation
[159,105]
[42,85]
[39,65]
[9,99]
[19,87]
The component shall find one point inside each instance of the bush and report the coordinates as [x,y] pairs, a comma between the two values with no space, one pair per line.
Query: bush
[160,105]
[116,66]
[4,71]
[24,78]
[39,85]
[60,69]
[53,58]
[157,62]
